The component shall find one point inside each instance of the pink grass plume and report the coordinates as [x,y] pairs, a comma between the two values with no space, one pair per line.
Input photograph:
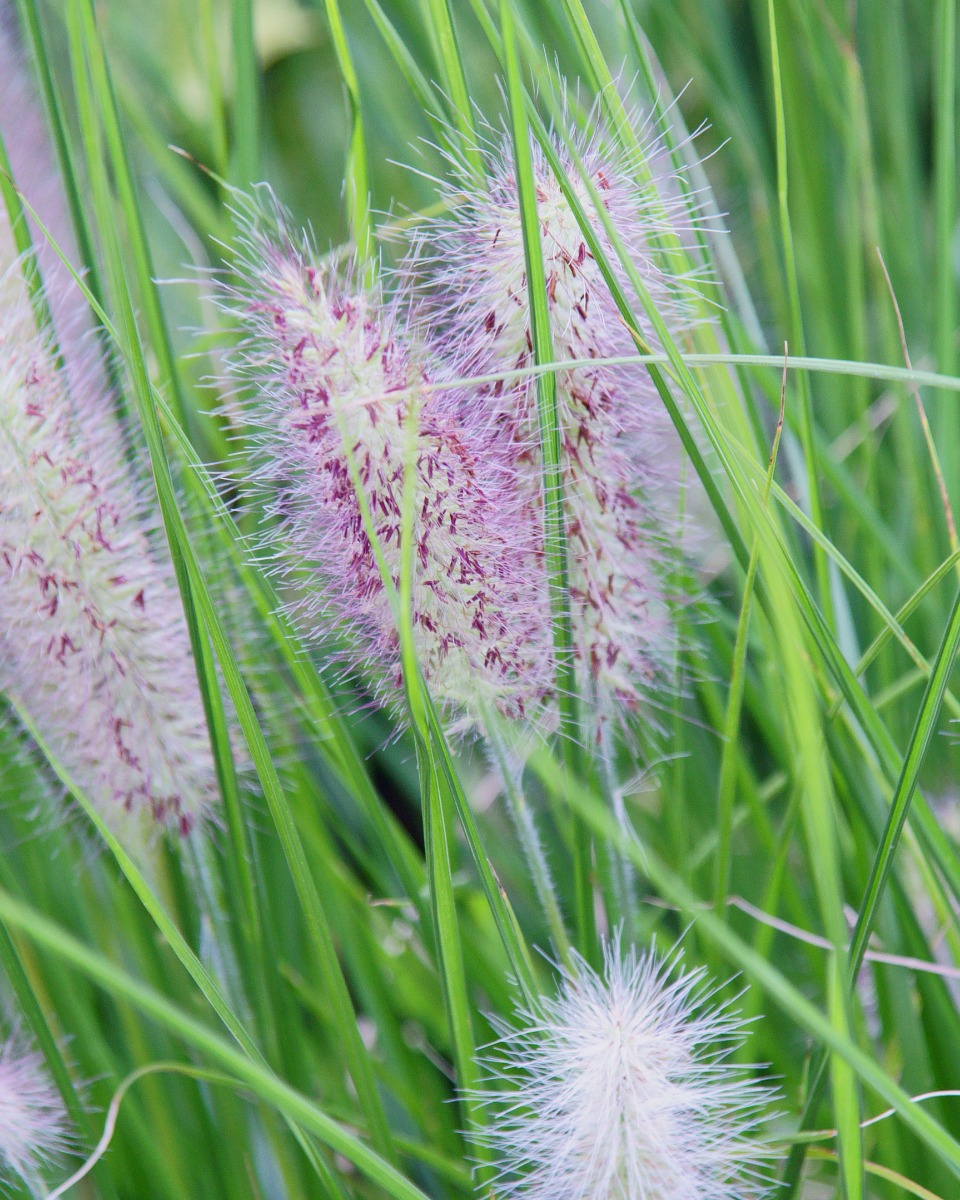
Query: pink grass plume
[621,466]
[345,413]
[95,655]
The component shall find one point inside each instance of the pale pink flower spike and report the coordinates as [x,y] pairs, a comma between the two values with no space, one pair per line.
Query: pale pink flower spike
[333,377]
[95,654]
[621,463]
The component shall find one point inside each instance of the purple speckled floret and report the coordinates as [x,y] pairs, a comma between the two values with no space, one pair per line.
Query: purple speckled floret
[334,378]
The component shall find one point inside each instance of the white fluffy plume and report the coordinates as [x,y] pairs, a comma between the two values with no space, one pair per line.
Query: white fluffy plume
[620,1088]
[33,1124]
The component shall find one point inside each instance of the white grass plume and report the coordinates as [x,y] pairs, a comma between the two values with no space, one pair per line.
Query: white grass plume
[33,1123]
[620,1088]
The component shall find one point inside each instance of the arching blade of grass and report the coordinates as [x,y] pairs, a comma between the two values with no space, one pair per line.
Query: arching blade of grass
[45,934]
[438,16]
[729,757]
[882,638]
[87,53]
[54,112]
[927,718]
[796,318]
[945,203]
[357,174]
[893,625]
[845,1090]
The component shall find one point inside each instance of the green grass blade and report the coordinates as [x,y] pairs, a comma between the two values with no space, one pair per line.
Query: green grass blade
[945,217]
[357,173]
[262,1082]
[245,156]
[796,319]
[928,716]
[726,794]
[551,450]
[439,19]
[87,54]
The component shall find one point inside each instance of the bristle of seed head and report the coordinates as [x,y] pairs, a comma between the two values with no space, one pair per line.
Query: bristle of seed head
[621,465]
[620,1088]
[94,650]
[33,1123]
[349,425]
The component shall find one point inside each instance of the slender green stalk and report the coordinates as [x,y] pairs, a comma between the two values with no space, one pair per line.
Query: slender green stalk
[158,1008]
[87,55]
[357,174]
[245,149]
[796,319]
[728,762]
[551,451]
[926,723]
[439,19]
[945,219]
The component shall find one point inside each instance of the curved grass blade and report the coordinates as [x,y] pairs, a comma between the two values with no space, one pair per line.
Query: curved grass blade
[115,981]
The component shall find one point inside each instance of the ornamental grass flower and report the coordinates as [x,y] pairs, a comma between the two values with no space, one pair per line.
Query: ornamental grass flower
[350,434]
[33,1122]
[620,466]
[31,162]
[619,1088]
[94,651]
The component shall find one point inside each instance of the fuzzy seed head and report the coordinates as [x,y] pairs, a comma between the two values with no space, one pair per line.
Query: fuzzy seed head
[33,1123]
[94,650]
[34,173]
[341,409]
[620,467]
[618,1089]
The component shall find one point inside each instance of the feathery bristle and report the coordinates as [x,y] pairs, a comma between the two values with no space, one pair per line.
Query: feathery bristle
[342,403]
[618,1088]
[620,462]
[33,1123]
[93,644]
[94,649]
